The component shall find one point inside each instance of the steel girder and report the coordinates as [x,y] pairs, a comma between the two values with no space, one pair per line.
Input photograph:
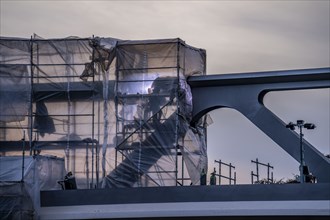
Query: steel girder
[245,92]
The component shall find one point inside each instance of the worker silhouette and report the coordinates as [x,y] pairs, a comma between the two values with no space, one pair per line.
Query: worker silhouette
[203,178]
[156,100]
[213,179]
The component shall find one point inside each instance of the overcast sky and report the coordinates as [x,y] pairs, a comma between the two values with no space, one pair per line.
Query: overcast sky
[239,36]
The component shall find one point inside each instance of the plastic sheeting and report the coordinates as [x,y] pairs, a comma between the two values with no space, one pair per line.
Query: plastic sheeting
[154,106]
[19,191]
[117,111]
[14,81]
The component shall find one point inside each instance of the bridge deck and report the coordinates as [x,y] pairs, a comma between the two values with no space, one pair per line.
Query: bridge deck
[235,200]
[260,77]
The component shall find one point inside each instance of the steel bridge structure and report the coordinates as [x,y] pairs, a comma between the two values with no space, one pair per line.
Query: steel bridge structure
[243,92]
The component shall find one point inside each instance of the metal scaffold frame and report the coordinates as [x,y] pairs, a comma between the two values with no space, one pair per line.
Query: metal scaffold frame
[141,127]
[74,108]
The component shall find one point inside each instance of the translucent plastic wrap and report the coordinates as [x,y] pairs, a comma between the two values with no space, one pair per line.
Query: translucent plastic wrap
[154,107]
[20,191]
[15,92]
[117,111]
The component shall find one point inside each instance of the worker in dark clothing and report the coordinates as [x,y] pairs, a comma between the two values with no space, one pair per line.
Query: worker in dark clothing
[203,178]
[213,179]
[156,100]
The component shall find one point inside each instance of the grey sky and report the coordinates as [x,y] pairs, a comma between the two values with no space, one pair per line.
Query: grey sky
[239,36]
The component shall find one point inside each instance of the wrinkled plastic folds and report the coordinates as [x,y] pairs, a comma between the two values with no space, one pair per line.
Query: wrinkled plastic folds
[117,111]
[19,191]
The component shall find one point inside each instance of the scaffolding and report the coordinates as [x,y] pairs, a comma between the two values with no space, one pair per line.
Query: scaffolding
[269,179]
[231,169]
[117,111]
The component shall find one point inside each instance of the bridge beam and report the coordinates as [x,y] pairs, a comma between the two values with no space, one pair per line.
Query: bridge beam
[245,92]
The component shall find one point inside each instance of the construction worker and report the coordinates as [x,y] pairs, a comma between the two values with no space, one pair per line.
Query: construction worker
[213,179]
[203,178]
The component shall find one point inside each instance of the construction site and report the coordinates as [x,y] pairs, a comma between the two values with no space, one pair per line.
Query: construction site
[114,113]
[96,127]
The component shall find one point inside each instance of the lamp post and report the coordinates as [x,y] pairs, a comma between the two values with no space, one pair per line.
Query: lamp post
[301,124]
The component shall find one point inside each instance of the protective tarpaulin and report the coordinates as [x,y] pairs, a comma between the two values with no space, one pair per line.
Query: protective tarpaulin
[117,111]
[20,191]
[154,110]
[16,202]
[14,82]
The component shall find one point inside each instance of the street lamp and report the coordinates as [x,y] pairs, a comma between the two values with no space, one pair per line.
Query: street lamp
[301,124]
